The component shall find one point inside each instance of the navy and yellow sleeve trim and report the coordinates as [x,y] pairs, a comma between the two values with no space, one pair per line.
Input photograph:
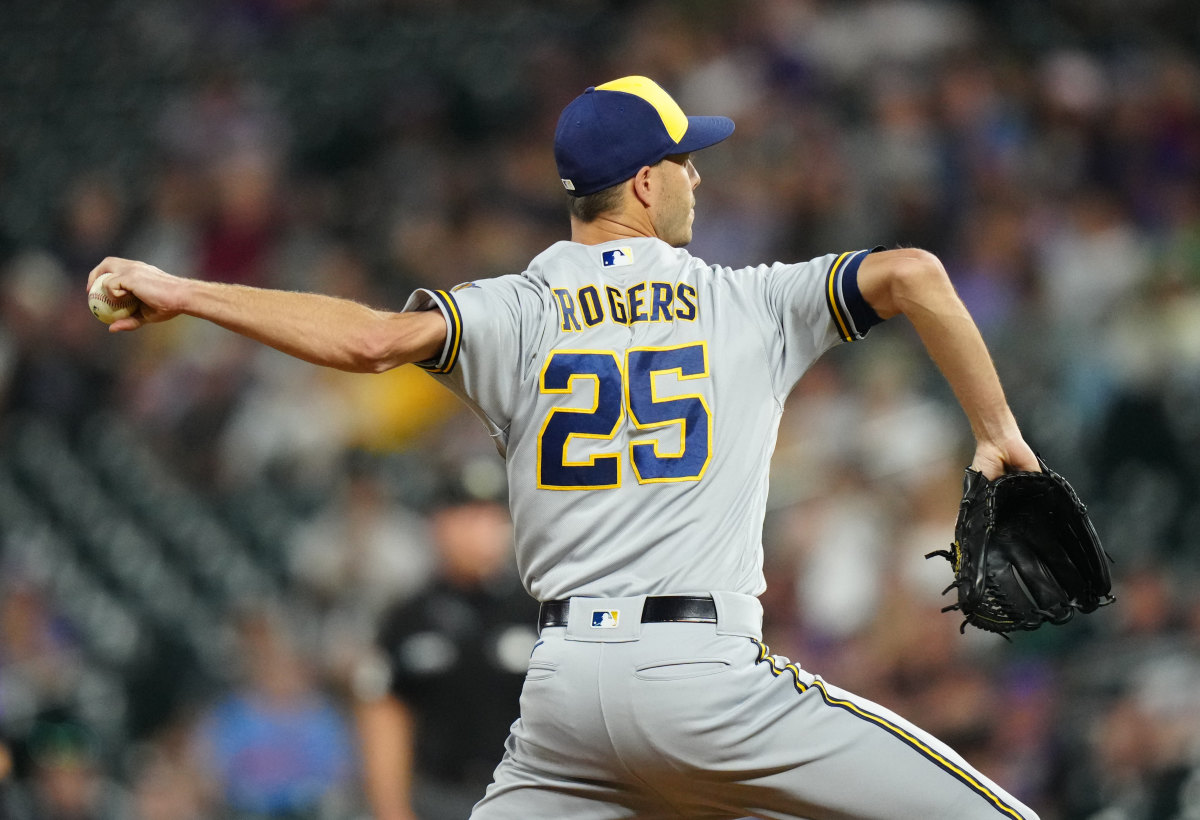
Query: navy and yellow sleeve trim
[449,356]
[851,313]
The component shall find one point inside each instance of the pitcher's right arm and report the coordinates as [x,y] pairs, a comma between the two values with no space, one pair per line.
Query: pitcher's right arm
[323,330]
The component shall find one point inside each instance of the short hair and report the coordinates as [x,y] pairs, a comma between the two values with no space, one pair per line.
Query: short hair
[591,207]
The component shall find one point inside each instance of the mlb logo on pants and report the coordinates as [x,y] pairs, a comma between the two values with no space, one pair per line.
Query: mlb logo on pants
[605,618]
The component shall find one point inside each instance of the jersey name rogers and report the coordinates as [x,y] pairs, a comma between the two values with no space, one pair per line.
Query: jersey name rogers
[648,301]
[623,383]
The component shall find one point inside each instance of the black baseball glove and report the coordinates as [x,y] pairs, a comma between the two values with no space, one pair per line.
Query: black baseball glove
[1024,553]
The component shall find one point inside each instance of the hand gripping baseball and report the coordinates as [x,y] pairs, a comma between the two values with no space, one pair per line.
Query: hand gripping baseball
[145,293]
[108,306]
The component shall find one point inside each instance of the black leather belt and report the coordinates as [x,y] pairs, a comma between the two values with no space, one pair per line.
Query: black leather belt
[691,609]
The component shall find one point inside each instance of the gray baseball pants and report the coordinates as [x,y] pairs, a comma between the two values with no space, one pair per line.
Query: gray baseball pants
[668,720]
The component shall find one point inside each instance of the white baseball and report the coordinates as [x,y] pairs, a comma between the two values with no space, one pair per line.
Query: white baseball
[106,307]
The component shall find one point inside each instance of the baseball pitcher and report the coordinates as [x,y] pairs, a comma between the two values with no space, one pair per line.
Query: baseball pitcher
[634,392]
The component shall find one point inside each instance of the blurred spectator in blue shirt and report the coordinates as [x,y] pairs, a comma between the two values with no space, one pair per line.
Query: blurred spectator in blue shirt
[276,746]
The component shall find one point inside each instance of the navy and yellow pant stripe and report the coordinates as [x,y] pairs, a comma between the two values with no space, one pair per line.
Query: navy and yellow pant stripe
[963,774]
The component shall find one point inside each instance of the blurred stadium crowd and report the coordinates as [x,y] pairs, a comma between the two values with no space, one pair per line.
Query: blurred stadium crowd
[197,535]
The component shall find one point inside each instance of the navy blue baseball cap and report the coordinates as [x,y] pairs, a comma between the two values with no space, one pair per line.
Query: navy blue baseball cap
[610,131]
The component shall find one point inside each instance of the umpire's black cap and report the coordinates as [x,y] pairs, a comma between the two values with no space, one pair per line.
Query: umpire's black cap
[478,480]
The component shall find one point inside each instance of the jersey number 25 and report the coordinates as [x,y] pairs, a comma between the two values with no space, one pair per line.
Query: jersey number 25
[616,388]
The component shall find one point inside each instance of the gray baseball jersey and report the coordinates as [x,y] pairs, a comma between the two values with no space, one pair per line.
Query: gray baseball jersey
[635,393]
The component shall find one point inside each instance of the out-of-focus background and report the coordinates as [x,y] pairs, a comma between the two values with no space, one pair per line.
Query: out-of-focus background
[190,525]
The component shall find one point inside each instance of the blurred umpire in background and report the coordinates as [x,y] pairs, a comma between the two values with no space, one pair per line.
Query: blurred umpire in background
[435,705]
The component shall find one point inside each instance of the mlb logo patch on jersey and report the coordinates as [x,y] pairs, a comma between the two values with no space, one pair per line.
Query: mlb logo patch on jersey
[605,618]
[617,257]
